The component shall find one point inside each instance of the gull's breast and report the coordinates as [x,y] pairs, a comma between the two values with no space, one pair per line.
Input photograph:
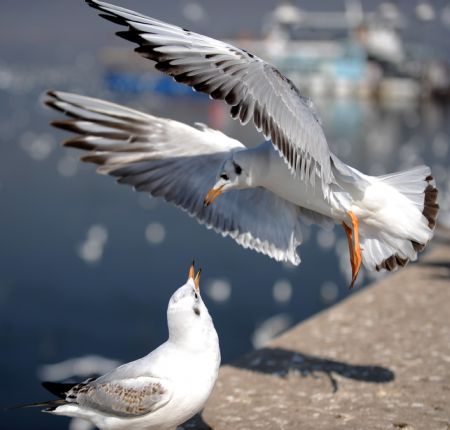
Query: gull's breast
[292,188]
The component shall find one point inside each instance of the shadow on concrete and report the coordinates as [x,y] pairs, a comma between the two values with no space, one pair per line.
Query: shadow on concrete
[439,264]
[279,362]
[443,274]
[441,236]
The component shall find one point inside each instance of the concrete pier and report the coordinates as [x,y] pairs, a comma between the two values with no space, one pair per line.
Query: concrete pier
[378,360]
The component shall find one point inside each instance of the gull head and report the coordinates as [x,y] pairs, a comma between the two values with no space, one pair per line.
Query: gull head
[233,174]
[187,316]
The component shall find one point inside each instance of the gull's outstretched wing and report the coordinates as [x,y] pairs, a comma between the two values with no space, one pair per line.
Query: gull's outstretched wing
[179,163]
[127,398]
[255,89]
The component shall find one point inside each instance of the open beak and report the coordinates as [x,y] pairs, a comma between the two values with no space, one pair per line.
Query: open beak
[195,277]
[191,272]
[212,195]
[197,280]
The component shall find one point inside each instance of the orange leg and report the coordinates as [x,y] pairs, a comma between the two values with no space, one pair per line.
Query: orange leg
[349,234]
[353,246]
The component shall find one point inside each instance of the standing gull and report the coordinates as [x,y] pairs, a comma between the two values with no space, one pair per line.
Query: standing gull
[266,190]
[161,390]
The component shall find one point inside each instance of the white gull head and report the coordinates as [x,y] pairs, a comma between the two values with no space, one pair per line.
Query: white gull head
[236,173]
[190,324]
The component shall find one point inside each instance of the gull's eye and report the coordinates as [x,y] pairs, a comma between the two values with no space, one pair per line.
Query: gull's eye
[196,295]
[224,176]
[237,169]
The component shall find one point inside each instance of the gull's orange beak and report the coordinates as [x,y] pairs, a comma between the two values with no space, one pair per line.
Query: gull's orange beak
[212,195]
[197,280]
[191,272]
[195,277]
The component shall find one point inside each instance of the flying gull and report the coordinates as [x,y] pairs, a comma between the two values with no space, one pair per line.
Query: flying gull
[266,192]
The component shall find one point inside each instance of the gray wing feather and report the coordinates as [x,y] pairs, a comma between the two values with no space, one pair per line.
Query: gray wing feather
[179,163]
[123,398]
[255,89]
[254,218]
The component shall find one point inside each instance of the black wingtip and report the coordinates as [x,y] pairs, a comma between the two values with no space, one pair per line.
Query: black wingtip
[50,98]
[130,36]
[94,159]
[78,143]
[57,388]
[113,18]
[52,94]
[50,103]
[105,13]
[67,125]
[92,3]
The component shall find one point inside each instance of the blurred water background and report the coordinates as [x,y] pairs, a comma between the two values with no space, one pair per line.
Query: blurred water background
[87,266]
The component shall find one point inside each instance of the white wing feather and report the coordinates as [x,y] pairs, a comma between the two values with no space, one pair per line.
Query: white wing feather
[179,163]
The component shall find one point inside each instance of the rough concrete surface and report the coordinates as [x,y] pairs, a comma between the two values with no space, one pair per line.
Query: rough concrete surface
[378,360]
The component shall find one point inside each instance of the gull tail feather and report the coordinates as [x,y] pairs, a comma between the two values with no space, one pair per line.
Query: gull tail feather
[49,405]
[56,388]
[403,221]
